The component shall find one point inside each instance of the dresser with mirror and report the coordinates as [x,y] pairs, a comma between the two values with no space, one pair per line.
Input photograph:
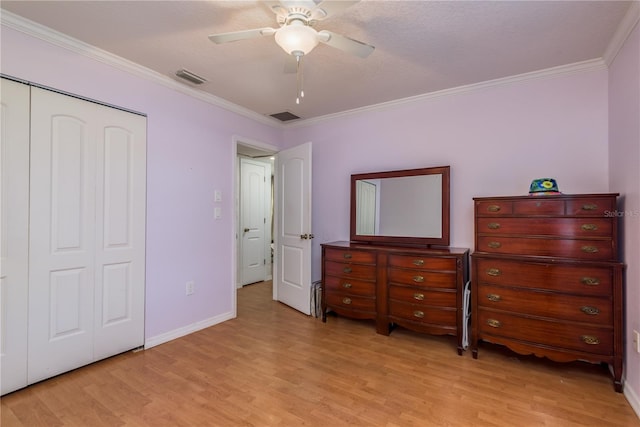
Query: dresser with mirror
[397,269]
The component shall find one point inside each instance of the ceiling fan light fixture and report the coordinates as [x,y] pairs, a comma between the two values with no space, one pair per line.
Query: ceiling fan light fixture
[297,38]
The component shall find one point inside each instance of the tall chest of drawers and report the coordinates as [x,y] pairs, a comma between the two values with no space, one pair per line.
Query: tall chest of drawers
[417,288]
[546,278]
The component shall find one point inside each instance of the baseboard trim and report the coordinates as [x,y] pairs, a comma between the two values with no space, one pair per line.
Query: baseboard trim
[186,330]
[632,398]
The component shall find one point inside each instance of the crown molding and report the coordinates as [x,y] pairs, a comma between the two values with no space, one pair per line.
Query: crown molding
[621,35]
[59,39]
[49,35]
[593,64]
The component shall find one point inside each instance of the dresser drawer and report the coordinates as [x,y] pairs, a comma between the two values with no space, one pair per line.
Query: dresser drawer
[538,205]
[349,255]
[494,207]
[600,250]
[352,302]
[566,227]
[590,206]
[582,337]
[346,270]
[422,262]
[417,313]
[423,279]
[588,309]
[558,277]
[354,287]
[423,297]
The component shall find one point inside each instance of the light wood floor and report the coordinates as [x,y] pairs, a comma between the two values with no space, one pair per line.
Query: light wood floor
[273,366]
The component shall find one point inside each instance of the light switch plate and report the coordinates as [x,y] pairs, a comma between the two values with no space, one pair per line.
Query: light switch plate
[217,196]
[217,213]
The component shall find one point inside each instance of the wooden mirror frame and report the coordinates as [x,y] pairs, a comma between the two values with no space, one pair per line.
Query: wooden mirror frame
[443,240]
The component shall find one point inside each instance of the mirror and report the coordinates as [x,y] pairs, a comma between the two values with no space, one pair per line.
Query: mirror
[407,206]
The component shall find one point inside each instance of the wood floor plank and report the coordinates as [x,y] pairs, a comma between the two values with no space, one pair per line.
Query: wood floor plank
[273,366]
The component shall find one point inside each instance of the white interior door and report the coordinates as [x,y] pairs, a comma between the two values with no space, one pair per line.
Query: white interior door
[293,227]
[14,234]
[253,221]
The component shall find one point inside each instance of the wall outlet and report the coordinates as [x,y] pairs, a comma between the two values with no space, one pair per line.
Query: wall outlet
[636,340]
[190,288]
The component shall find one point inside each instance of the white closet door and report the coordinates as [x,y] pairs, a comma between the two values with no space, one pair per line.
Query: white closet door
[14,234]
[62,234]
[87,236]
[120,232]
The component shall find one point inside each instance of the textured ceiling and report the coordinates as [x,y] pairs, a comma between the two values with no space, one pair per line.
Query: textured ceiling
[421,46]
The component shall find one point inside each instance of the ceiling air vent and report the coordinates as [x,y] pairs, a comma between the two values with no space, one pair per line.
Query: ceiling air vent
[190,77]
[285,116]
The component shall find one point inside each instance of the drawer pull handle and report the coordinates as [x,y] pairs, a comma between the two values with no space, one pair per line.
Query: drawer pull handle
[589,249]
[494,272]
[494,245]
[494,323]
[590,281]
[592,311]
[494,297]
[346,285]
[589,227]
[346,300]
[493,225]
[418,279]
[418,296]
[347,255]
[418,262]
[590,339]
[347,270]
[493,208]
[589,207]
[419,314]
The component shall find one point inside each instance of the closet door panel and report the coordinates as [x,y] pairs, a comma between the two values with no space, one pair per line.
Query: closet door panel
[14,234]
[62,235]
[120,232]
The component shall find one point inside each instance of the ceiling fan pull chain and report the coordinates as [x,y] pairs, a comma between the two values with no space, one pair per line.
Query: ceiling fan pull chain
[301,79]
[299,90]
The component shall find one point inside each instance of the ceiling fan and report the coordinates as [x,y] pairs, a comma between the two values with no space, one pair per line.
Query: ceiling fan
[297,35]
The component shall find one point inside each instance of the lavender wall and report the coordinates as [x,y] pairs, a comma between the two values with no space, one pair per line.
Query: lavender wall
[624,143]
[496,139]
[190,154]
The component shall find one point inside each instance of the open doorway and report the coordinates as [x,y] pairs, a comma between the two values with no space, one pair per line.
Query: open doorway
[254,212]
[291,213]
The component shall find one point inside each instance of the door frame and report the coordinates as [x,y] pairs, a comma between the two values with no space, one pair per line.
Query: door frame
[265,149]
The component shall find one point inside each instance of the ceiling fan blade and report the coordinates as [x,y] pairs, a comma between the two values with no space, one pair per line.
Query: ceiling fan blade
[329,8]
[241,35]
[277,8]
[346,44]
